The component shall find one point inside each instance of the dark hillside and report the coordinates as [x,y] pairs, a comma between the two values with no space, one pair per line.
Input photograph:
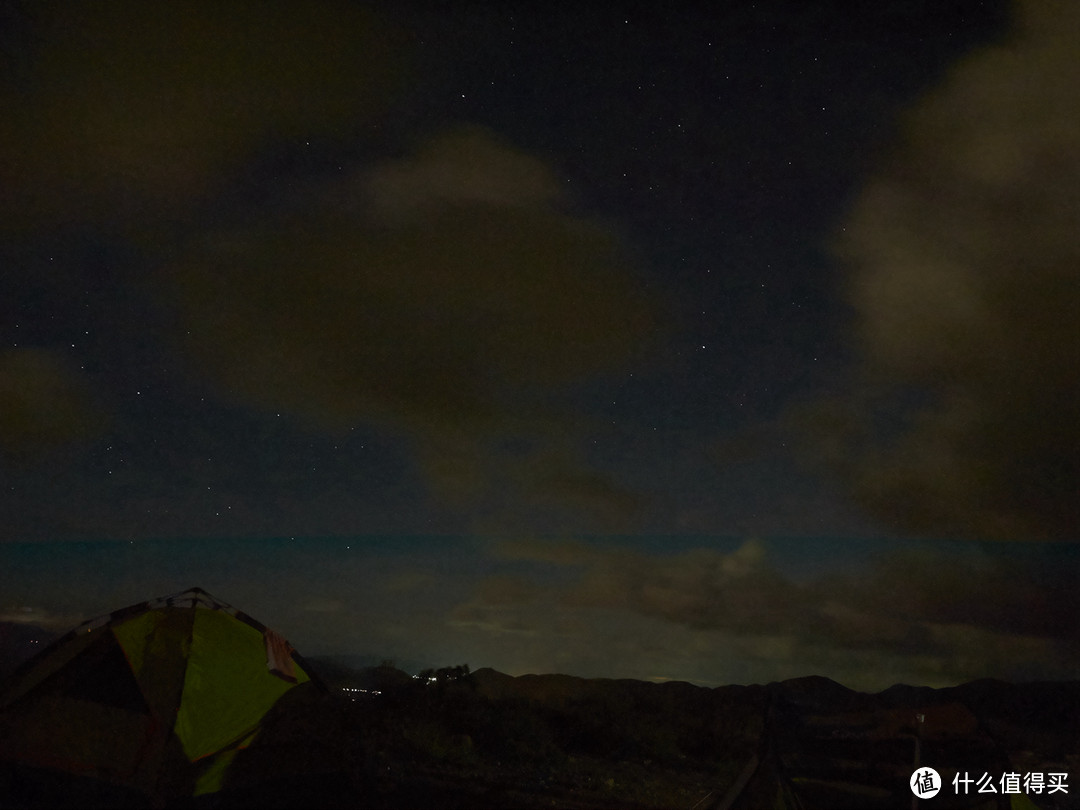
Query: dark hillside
[489,740]
[453,739]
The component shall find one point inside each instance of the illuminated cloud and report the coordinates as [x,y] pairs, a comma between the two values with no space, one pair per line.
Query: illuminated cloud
[125,111]
[963,260]
[463,166]
[454,322]
[40,617]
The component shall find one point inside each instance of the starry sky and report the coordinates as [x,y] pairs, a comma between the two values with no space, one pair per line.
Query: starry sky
[723,345]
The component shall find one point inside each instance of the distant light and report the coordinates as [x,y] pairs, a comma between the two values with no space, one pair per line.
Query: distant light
[357,690]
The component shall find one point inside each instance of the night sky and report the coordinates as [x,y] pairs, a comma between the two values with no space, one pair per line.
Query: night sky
[725,344]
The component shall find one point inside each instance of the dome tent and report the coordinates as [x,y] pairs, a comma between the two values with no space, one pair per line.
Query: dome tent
[146,706]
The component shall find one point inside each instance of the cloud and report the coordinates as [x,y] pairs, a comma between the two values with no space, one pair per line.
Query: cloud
[40,617]
[323,606]
[45,403]
[450,296]
[463,166]
[124,112]
[923,614]
[997,593]
[700,588]
[963,258]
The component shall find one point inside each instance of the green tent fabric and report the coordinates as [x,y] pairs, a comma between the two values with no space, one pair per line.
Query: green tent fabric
[151,702]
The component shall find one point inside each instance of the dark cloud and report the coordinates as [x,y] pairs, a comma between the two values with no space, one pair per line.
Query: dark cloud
[45,403]
[996,593]
[700,588]
[554,483]
[963,257]
[122,111]
[924,614]
[449,295]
